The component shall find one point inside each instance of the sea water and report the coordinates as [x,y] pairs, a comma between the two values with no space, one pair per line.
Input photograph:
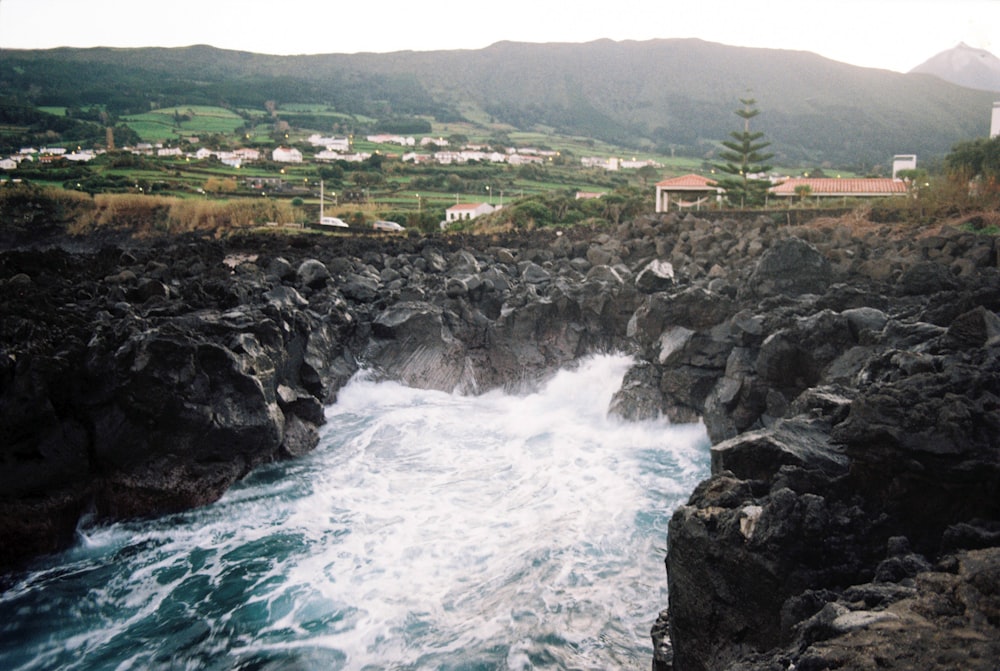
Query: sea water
[427,531]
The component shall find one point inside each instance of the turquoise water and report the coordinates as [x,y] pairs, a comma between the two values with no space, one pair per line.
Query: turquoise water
[427,531]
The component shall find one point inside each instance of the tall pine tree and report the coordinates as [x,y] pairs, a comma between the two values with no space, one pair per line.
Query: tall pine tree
[743,157]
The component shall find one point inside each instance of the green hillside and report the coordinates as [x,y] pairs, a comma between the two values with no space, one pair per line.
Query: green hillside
[668,95]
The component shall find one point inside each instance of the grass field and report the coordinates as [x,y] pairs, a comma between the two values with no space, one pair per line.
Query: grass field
[396,190]
[174,122]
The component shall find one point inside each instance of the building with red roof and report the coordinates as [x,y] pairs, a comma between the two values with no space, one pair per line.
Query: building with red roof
[685,192]
[833,187]
[695,191]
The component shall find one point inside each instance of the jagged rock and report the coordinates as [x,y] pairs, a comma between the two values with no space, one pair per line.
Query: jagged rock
[926,278]
[312,273]
[656,276]
[977,328]
[638,398]
[792,267]
[757,455]
[360,288]
[845,415]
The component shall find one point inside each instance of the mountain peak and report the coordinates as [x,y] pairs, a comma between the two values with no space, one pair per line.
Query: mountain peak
[966,66]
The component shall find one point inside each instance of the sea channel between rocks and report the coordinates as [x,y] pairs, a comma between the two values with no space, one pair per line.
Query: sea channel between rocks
[846,373]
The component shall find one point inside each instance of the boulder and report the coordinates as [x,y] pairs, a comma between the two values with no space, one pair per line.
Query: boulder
[312,273]
[790,267]
[656,276]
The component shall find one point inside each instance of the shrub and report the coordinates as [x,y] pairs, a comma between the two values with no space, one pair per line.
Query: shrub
[28,211]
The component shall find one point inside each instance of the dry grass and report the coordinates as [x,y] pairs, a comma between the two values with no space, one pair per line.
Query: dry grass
[148,216]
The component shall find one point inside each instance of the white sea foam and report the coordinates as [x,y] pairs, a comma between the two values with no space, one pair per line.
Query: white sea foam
[428,530]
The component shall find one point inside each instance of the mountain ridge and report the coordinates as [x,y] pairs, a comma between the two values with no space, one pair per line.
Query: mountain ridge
[665,94]
[966,66]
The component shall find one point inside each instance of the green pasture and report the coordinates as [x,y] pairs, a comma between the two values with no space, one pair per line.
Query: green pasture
[173,122]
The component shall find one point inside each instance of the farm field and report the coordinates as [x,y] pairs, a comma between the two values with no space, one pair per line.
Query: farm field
[171,123]
[383,187]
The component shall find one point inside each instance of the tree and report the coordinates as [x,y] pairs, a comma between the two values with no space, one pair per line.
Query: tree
[744,158]
[647,174]
[976,160]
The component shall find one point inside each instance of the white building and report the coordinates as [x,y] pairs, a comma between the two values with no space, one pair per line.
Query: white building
[8,164]
[635,164]
[903,162]
[247,154]
[357,157]
[341,144]
[286,155]
[465,211]
[521,159]
[598,162]
[995,120]
[392,139]
[80,156]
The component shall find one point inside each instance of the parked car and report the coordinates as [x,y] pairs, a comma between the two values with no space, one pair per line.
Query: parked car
[333,221]
[387,226]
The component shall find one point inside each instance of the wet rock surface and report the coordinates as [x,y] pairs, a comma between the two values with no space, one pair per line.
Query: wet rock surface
[847,374]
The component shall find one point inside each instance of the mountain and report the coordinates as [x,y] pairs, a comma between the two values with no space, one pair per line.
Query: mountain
[965,66]
[676,94]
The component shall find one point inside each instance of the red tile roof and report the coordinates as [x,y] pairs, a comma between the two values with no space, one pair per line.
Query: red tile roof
[882,186]
[687,182]
[465,206]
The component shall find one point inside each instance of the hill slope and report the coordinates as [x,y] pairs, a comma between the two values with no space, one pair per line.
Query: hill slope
[658,93]
[965,66]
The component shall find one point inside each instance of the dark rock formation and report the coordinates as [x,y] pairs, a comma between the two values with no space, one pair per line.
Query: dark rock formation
[147,378]
[847,375]
[849,423]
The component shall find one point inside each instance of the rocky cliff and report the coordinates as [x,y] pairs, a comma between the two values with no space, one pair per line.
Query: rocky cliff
[847,374]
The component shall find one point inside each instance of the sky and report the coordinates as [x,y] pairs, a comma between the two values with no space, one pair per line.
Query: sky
[889,34]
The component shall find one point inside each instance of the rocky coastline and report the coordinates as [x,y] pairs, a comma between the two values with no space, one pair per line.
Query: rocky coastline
[848,374]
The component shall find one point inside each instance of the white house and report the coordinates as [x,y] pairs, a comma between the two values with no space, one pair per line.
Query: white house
[439,141]
[521,159]
[637,163]
[8,164]
[341,144]
[598,162]
[903,162]
[247,154]
[392,139]
[327,155]
[995,120]
[465,211]
[80,156]
[286,155]
[169,151]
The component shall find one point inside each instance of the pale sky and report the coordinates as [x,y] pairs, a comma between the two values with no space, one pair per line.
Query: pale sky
[891,34]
